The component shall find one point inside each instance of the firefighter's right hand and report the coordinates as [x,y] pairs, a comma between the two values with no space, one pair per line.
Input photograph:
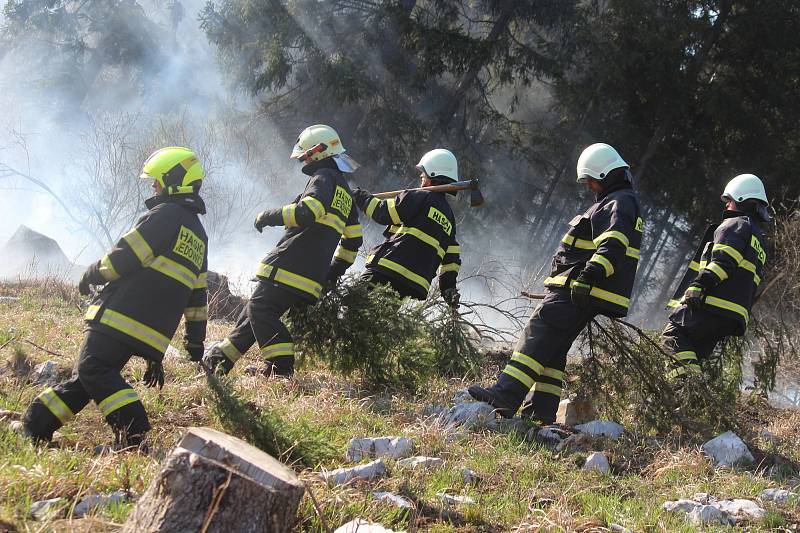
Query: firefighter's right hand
[154,375]
[580,293]
[452,297]
[261,221]
[84,286]
[694,296]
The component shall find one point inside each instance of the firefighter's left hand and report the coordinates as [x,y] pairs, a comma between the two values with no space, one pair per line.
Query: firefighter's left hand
[579,293]
[694,296]
[154,375]
[452,297]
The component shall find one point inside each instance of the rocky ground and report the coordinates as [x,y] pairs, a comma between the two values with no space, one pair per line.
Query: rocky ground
[424,461]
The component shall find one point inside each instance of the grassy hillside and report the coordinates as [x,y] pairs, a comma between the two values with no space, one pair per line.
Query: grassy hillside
[524,487]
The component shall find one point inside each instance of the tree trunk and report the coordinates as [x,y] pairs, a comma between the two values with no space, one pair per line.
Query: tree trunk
[212,482]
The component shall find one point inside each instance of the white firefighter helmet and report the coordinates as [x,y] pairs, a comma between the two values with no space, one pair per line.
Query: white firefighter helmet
[320,141]
[439,164]
[745,187]
[597,161]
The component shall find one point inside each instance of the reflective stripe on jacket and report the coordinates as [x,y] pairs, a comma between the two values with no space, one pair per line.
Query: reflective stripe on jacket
[319,223]
[420,239]
[155,273]
[729,264]
[602,247]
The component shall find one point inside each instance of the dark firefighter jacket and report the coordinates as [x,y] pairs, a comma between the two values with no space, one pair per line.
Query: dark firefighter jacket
[729,264]
[155,273]
[320,224]
[420,239]
[602,248]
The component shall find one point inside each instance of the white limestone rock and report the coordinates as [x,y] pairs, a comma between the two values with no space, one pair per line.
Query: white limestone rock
[363,526]
[779,496]
[462,396]
[601,428]
[472,415]
[393,447]
[95,501]
[597,462]
[681,506]
[740,509]
[367,471]
[393,499]
[421,462]
[470,477]
[727,450]
[454,500]
[48,509]
[708,515]
[45,373]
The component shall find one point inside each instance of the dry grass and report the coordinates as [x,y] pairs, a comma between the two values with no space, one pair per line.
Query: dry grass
[524,486]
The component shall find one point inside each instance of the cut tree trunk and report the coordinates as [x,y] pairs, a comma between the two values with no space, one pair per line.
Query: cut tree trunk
[213,482]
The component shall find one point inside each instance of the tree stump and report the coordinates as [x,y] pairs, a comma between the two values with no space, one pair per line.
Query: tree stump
[213,482]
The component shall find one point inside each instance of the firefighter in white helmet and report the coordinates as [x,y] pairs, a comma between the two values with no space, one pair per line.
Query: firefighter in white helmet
[420,235]
[716,293]
[322,233]
[593,273]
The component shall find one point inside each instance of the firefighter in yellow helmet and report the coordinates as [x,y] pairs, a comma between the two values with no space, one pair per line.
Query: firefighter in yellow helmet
[322,234]
[155,274]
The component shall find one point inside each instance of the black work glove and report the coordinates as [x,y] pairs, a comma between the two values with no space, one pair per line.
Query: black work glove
[336,271]
[694,296]
[452,297]
[579,293]
[269,217]
[261,221]
[361,198]
[195,351]
[90,277]
[154,375]
[84,286]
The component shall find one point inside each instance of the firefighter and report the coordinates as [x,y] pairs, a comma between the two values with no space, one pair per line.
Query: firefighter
[592,273]
[152,276]
[420,234]
[715,295]
[322,234]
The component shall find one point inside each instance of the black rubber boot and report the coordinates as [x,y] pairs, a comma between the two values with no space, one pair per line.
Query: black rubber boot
[545,415]
[217,362]
[505,396]
[280,367]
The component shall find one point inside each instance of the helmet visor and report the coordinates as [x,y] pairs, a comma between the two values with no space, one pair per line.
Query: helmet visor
[297,152]
[583,178]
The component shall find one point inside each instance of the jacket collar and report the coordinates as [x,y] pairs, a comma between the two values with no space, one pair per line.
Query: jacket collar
[193,202]
[614,188]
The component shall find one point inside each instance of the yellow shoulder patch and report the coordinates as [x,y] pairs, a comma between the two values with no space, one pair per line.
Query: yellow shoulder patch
[439,217]
[342,201]
[190,246]
[639,224]
[756,244]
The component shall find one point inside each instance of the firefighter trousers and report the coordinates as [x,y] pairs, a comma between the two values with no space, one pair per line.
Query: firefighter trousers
[96,376]
[535,372]
[261,322]
[691,335]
